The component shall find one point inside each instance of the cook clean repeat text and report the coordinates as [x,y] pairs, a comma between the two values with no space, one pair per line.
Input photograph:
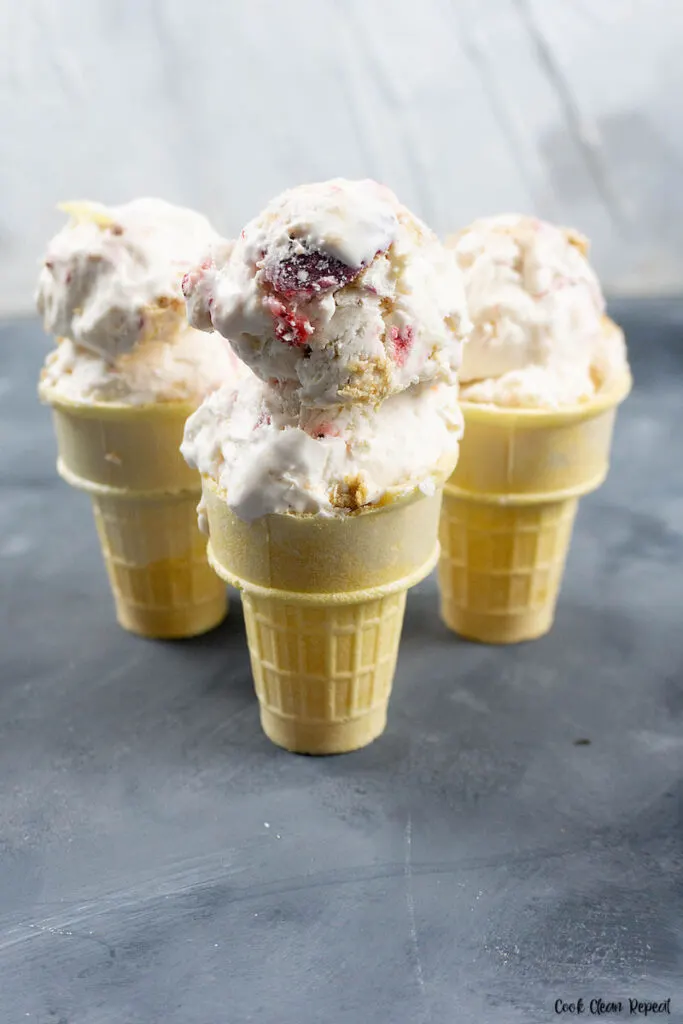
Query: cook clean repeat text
[604,1007]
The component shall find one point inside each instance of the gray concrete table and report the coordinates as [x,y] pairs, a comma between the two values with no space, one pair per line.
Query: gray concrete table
[515,838]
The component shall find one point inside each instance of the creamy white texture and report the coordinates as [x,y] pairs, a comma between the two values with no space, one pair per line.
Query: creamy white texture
[337,288]
[268,454]
[349,221]
[540,337]
[110,291]
[351,314]
[184,369]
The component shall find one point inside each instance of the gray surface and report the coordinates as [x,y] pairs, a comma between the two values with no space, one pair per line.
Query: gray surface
[474,864]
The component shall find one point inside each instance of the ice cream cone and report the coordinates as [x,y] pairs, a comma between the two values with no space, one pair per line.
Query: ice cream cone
[509,509]
[144,498]
[323,604]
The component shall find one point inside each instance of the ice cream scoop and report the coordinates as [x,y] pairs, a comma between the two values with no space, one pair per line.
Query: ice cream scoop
[540,335]
[268,454]
[110,291]
[336,288]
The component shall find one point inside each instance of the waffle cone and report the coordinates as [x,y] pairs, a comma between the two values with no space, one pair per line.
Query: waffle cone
[144,499]
[323,606]
[509,509]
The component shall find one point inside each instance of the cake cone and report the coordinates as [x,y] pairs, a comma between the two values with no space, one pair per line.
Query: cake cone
[323,605]
[509,509]
[144,498]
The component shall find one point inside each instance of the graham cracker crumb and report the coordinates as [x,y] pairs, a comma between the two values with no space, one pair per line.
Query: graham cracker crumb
[368,379]
[386,307]
[351,494]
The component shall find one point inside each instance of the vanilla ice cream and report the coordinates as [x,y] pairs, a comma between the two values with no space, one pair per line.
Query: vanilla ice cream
[270,455]
[110,292]
[351,315]
[540,336]
[337,288]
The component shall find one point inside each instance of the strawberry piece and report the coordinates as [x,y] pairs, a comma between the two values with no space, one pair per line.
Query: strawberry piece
[309,274]
[192,278]
[402,343]
[321,430]
[188,283]
[289,326]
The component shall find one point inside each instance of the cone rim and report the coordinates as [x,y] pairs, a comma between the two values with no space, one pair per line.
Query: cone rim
[81,483]
[533,417]
[336,597]
[510,499]
[113,410]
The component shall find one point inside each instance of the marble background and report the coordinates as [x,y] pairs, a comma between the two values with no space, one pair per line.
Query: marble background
[568,108]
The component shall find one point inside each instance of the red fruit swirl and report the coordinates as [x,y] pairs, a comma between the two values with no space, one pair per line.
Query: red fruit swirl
[402,342]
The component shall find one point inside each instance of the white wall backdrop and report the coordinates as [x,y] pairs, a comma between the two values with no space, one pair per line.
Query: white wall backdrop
[572,109]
